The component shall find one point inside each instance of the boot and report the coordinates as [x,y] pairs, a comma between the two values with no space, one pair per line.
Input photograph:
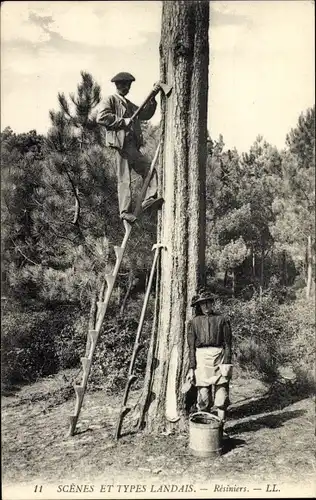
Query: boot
[152,204]
[128,217]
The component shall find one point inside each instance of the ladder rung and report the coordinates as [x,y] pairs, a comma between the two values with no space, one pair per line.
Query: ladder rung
[139,347]
[132,378]
[118,251]
[78,390]
[125,410]
[127,226]
[93,334]
[109,279]
[85,363]
[101,307]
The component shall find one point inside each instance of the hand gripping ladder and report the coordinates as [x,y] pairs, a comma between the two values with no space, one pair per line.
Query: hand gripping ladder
[110,279]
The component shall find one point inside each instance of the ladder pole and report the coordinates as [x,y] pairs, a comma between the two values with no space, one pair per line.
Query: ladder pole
[82,388]
[110,287]
[128,229]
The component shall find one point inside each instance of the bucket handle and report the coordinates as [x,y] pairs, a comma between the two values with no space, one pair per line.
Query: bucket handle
[205,413]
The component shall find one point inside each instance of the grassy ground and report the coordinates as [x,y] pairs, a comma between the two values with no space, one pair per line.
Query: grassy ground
[271,441]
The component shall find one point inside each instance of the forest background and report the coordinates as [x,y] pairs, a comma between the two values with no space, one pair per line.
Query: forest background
[60,221]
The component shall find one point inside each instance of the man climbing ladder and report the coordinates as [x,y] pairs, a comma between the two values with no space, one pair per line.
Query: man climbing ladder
[118,141]
[121,119]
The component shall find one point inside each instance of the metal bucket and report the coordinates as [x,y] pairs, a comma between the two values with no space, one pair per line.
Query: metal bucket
[205,431]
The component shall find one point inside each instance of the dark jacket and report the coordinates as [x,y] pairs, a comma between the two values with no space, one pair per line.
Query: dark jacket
[112,116]
[209,331]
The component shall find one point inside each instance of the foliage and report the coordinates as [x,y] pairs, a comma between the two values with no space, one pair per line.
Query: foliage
[230,256]
[258,334]
[295,204]
[299,320]
[28,350]
[21,169]
[70,340]
[60,221]
[271,332]
[301,139]
[40,341]
[239,209]
[114,350]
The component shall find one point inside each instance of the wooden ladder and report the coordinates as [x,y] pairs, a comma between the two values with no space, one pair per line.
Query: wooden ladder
[102,305]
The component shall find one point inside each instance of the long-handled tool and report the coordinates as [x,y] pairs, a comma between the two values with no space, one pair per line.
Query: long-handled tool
[158,87]
[131,377]
[166,90]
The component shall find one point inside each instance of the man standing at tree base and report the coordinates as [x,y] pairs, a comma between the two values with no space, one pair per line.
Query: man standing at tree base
[126,137]
[209,339]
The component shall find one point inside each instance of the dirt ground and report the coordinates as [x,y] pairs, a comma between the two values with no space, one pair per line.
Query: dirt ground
[271,441]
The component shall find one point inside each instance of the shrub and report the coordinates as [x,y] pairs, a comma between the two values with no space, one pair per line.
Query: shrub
[115,345]
[37,343]
[28,350]
[299,319]
[268,336]
[257,334]
[71,328]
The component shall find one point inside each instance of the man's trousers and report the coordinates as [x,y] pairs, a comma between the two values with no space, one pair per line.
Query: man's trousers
[127,159]
[205,397]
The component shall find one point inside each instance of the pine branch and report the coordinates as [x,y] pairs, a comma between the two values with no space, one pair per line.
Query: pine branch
[23,255]
[72,97]
[52,115]
[61,236]
[64,104]
[77,202]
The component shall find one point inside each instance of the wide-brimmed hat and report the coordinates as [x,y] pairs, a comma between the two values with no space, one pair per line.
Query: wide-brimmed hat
[202,296]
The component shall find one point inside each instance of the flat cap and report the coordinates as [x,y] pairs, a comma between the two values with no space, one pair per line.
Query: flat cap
[123,77]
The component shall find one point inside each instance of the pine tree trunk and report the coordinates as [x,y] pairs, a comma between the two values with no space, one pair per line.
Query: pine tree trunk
[128,291]
[225,277]
[253,263]
[184,57]
[262,270]
[233,282]
[284,268]
[309,267]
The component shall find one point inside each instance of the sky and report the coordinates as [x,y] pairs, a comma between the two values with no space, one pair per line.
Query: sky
[261,73]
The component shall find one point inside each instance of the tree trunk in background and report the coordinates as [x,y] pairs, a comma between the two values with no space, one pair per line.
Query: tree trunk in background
[225,278]
[233,282]
[128,291]
[184,57]
[284,268]
[262,270]
[309,267]
[253,263]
